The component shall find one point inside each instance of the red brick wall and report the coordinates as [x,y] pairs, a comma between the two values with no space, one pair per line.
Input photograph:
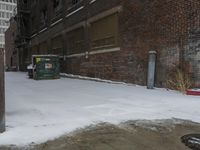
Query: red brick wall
[161,25]
[170,27]
[9,45]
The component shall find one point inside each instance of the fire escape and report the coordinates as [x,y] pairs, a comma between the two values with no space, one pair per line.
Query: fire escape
[23,33]
[23,24]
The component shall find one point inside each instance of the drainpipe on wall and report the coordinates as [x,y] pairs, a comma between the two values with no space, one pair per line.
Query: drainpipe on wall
[151,70]
[2,93]
[17,59]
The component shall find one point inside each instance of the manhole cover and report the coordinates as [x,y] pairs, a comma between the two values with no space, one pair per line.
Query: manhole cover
[192,141]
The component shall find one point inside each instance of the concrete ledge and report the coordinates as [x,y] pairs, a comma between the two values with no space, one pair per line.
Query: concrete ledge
[65,75]
[95,52]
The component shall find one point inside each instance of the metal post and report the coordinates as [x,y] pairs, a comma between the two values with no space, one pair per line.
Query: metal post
[151,70]
[2,93]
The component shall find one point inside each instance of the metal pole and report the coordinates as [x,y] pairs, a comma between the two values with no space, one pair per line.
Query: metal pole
[151,70]
[2,93]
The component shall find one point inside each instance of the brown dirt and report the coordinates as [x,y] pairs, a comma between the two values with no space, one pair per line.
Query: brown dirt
[131,135]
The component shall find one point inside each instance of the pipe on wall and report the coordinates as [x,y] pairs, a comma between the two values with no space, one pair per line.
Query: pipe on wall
[151,70]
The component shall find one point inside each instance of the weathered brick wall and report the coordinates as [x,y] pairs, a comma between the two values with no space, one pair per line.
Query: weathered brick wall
[169,27]
[161,25]
[104,66]
[10,50]
[192,56]
[117,66]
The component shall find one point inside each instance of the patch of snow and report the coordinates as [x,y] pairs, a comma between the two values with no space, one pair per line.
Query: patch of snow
[196,139]
[194,142]
[30,66]
[37,111]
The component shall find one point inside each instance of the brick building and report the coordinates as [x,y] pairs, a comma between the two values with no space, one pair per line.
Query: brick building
[111,39]
[10,49]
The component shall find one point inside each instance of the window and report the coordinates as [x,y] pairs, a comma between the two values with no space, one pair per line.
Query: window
[76,41]
[74,2]
[33,2]
[43,16]
[25,1]
[2,40]
[57,5]
[104,32]
[7,15]
[2,46]
[2,30]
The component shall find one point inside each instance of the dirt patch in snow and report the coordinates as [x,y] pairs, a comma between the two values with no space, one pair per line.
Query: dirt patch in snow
[130,135]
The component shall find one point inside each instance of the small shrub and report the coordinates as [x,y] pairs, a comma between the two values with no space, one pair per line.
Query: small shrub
[179,80]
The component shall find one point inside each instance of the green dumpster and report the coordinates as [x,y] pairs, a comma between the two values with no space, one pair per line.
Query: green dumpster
[45,67]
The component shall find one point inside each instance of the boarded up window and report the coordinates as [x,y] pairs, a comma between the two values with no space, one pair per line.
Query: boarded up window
[104,32]
[57,46]
[43,48]
[75,41]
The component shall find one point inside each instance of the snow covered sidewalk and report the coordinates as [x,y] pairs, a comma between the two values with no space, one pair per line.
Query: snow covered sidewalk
[37,111]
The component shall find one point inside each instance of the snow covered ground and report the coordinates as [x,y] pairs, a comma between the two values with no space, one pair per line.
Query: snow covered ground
[37,111]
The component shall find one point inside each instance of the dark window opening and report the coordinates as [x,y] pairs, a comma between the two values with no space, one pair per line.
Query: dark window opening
[11,61]
[57,5]
[74,2]
[25,1]
[33,2]
[43,16]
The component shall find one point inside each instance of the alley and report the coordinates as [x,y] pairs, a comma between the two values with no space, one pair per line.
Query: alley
[37,111]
